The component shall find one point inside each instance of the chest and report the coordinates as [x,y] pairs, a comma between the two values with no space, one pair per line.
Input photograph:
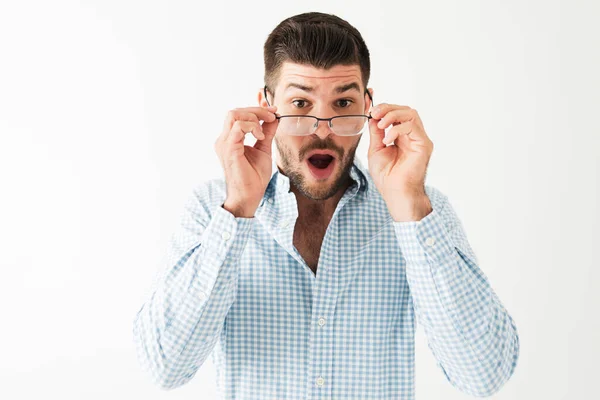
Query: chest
[308,239]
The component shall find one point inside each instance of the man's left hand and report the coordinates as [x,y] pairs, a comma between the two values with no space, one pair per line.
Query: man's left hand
[399,170]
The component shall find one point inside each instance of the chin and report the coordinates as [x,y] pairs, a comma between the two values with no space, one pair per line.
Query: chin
[318,191]
[319,185]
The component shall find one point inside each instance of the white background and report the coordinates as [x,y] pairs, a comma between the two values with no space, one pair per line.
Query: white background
[109,111]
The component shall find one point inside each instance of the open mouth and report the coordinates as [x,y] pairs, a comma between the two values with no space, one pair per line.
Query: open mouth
[321,165]
[320,161]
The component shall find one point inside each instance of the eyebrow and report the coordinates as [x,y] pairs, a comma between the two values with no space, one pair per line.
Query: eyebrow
[339,89]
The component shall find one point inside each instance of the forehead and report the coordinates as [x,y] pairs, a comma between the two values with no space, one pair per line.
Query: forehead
[320,79]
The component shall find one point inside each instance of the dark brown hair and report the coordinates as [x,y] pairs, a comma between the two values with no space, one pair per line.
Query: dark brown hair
[316,39]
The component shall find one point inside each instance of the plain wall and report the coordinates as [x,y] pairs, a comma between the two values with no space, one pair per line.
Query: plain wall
[108,115]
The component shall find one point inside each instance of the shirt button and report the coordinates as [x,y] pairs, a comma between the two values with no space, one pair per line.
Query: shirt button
[226,235]
[430,241]
[285,223]
[320,381]
[321,321]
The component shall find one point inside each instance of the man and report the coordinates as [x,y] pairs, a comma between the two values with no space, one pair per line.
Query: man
[303,277]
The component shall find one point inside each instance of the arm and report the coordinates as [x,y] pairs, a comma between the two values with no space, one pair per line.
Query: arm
[179,324]
[471,335]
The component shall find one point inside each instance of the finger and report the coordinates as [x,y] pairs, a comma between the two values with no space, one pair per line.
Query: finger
[241,128]
[396,131]
[233,147]
[403,143]
[268,129]
[397,116]
[255,114]
[408,136]
[397,136]
[382,109]
[263,113]
[240,116]
[375,137]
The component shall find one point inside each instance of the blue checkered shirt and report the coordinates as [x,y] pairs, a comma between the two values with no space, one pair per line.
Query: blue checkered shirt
[237,290]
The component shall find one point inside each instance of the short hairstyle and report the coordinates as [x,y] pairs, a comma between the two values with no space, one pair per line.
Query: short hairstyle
[316,39]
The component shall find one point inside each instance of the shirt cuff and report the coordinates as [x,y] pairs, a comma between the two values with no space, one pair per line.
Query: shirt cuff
[424,241]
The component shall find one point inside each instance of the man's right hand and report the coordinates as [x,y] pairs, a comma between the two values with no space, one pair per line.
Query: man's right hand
[247,168]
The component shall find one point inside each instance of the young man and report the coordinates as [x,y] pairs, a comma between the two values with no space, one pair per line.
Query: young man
[303,277]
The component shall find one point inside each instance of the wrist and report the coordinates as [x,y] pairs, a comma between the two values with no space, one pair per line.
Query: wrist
[238,209]
[405,208]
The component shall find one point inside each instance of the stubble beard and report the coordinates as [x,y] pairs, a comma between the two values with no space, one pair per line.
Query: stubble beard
[291,167]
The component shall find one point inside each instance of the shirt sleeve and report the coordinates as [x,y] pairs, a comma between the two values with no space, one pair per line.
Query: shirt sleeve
[470,333]
[177,327]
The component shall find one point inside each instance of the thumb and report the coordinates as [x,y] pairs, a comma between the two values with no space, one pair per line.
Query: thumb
[376,137]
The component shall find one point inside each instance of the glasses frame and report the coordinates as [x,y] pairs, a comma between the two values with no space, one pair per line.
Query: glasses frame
[329,120]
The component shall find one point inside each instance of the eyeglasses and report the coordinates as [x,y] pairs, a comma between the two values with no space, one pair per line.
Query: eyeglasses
[305,125]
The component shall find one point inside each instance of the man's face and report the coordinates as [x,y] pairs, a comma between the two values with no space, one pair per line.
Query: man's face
[318,165]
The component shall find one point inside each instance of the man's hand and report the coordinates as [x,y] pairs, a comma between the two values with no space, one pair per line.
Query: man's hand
[247,168]
[399,170]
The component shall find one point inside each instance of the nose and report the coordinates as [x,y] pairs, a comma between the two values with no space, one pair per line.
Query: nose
[323,130]
[323,110]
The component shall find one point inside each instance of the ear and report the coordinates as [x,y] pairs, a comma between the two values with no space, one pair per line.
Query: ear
[368,103]
[261,98]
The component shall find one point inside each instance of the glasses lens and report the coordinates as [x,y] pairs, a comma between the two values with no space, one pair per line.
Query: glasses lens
[305,125]
[348,126]
[296,125]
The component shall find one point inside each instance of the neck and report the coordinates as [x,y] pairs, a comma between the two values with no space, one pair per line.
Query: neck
[313,208]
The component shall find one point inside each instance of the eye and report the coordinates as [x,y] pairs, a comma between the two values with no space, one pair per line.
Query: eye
[344,101]
[303,103]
